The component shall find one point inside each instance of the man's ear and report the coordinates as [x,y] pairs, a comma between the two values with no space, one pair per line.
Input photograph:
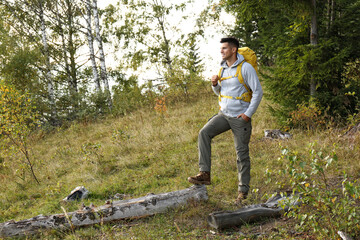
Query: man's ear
[233,50]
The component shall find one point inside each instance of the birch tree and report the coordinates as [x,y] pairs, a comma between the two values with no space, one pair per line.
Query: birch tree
[103,72]
[49,76]
[59,29]
[90,39]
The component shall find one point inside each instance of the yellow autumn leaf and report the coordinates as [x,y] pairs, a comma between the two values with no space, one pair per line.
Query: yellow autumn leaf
[307,184]
[333,200]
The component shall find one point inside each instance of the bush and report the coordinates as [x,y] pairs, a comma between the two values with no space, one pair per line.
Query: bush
[326,207]
[18,118]
[307,116]
[128,96]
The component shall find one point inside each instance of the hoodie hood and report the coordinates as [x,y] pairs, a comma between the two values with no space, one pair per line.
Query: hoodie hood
[240,58]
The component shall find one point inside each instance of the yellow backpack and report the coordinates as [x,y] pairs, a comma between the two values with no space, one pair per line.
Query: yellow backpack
[250,57]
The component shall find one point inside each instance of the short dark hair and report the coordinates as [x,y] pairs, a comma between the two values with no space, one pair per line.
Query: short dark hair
[233,42]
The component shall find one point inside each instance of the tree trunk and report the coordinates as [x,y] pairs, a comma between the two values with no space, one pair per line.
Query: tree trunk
[252,213]
[91,47]
[112,211]
[103,73]
[64,50]
[72,50]
[167,47]
[332,12]
[49,77]
[313,42]
[328,16]
[161,23]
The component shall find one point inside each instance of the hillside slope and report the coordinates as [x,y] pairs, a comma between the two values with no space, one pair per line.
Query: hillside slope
[145,152]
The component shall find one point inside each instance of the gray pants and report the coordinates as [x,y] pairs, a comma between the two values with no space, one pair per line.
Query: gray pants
[241,131]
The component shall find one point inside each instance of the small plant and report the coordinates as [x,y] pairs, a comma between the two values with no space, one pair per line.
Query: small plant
[326,208]
[18,118]
[92,152]
[353,119]
[119,136]
[160,106]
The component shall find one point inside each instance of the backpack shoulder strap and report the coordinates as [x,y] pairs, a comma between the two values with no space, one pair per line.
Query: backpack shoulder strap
[220,75]
[220,72]
[240,77]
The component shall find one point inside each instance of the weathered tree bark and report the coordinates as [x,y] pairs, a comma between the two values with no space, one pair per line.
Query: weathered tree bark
[252,213]
[344,235]
[117,210]
[276,134]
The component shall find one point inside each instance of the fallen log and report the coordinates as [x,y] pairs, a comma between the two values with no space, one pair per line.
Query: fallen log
[344,236]
[252,213]
[276,134]
[112,211]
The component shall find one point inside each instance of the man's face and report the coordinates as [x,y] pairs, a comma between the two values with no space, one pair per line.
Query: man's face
[227,51]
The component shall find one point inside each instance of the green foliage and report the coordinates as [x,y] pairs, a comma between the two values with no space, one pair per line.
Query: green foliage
[161,44]
[18,118]
[58,78]
[295,66]
[127,95]
[19,68]
[148,42]
[326,208]
[185,78]
[279,32]
[351,82]
[182,84]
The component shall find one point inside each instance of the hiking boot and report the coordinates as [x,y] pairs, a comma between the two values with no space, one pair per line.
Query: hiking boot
[241,197]
[201,178]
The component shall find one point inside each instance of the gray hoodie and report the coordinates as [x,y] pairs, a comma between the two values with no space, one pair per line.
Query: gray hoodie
[232,87]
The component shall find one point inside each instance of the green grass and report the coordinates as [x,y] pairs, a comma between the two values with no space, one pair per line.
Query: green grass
[144,152]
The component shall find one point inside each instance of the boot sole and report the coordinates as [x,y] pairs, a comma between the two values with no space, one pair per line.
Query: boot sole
[193,181]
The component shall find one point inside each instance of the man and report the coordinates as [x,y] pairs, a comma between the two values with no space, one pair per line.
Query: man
[235,114]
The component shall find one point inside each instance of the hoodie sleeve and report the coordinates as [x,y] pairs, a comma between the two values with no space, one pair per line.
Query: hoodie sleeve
[252,81]
[216,89]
